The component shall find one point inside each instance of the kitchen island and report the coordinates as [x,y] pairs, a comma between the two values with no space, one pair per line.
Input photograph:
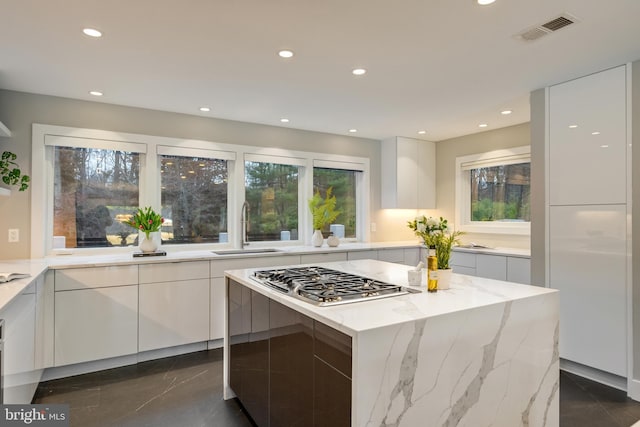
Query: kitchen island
[484,352]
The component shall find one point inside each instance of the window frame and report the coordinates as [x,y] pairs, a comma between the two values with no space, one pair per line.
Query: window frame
[463,221]
[150,178]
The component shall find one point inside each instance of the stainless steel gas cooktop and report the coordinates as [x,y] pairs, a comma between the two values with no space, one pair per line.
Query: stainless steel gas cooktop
[324,286]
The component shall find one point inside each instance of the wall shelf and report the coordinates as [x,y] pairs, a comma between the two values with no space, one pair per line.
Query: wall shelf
[4,131]
[5,192]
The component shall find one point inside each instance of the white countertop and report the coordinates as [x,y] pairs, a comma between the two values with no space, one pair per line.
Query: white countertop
[9,290]
[516,252]
[466,292]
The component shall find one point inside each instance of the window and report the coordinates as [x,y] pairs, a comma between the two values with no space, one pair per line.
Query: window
[94,192]
[271,190]
[343,186]
[493,191]
[194,199]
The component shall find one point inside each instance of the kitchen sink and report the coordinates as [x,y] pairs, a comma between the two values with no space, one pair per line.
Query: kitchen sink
[246,251]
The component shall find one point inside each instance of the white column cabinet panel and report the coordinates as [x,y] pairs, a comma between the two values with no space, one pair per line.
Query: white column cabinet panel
[173,313]
[216,316]
[588,168]
[93,324]
[587,263]
[491,266]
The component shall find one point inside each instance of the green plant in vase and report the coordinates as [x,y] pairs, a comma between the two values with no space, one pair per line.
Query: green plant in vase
[323,211]
[147,221]
[11,173]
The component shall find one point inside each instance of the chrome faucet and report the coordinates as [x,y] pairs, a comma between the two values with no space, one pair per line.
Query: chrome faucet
[244,224]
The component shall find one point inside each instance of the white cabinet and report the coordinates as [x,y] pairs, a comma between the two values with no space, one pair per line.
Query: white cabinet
[412,256]
[93,324]
[463,263]
[19,347]
[217,300]
[588,180]
[491,266]
[218,266]
[391,255]
[408,169]
[587,131]
[95,318]
[519,270]
[174,304]
[590,274]
[323,257]
[372,254]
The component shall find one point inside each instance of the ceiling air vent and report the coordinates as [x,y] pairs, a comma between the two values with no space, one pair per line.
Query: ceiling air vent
[555,24]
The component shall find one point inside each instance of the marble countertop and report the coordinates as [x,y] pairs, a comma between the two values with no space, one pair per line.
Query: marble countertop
[9,290]
[466,292]
[515,252]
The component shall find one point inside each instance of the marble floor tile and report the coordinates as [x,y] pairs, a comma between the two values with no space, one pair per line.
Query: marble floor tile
[187,391]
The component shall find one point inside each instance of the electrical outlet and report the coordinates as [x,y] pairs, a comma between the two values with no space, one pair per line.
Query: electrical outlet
[14,235]
[373,227]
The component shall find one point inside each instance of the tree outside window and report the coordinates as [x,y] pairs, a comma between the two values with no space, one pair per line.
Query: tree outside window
[343,185]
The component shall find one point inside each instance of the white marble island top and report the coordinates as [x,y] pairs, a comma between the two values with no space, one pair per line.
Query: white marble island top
[466,292]
[484,352]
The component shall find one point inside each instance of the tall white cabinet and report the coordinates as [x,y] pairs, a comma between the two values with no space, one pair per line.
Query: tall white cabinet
[588,180]
[408,171]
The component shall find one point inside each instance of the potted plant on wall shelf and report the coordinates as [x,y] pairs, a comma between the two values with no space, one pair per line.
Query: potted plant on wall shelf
[324,212]
[10,171]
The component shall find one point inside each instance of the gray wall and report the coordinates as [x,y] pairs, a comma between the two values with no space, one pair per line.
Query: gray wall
[446,153]
[18,111]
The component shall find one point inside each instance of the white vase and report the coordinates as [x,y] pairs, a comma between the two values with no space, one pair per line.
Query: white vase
[148,245]
[317,239]
[333,241]
[444,278]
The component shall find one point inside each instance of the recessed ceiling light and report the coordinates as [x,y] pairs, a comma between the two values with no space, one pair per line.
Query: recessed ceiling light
[285,53]
[205,109]
[573,126]
[359,71]
[422,132]
[353,130]
[506,112]
[485,2]
[92,32]
[483,125]
[604,146]
[284,120]
[95,93]
[595,133]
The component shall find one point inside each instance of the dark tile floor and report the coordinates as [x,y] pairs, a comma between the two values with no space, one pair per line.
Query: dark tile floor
[186,391]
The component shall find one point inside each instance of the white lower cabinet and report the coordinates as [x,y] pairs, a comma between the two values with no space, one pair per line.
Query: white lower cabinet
[355,255]
[463,263]
[173,313]
[323,257]
[491,266]
[391,255]
[19,347]
[93,324]
[519,270]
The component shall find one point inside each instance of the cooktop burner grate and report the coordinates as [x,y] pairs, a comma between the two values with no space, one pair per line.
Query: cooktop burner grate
[325,286]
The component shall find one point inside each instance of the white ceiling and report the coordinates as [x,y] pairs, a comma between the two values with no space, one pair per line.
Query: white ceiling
[440,65]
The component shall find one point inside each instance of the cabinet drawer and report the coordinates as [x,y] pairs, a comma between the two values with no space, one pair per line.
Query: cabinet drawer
[459,269]
[333,347]
[327,257]
[463,259]
[218,267]
[391,255]
[491,266]
[95,277]
[173,271]
[362,255]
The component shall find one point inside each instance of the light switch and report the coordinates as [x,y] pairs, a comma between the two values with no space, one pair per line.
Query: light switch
[14,235]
